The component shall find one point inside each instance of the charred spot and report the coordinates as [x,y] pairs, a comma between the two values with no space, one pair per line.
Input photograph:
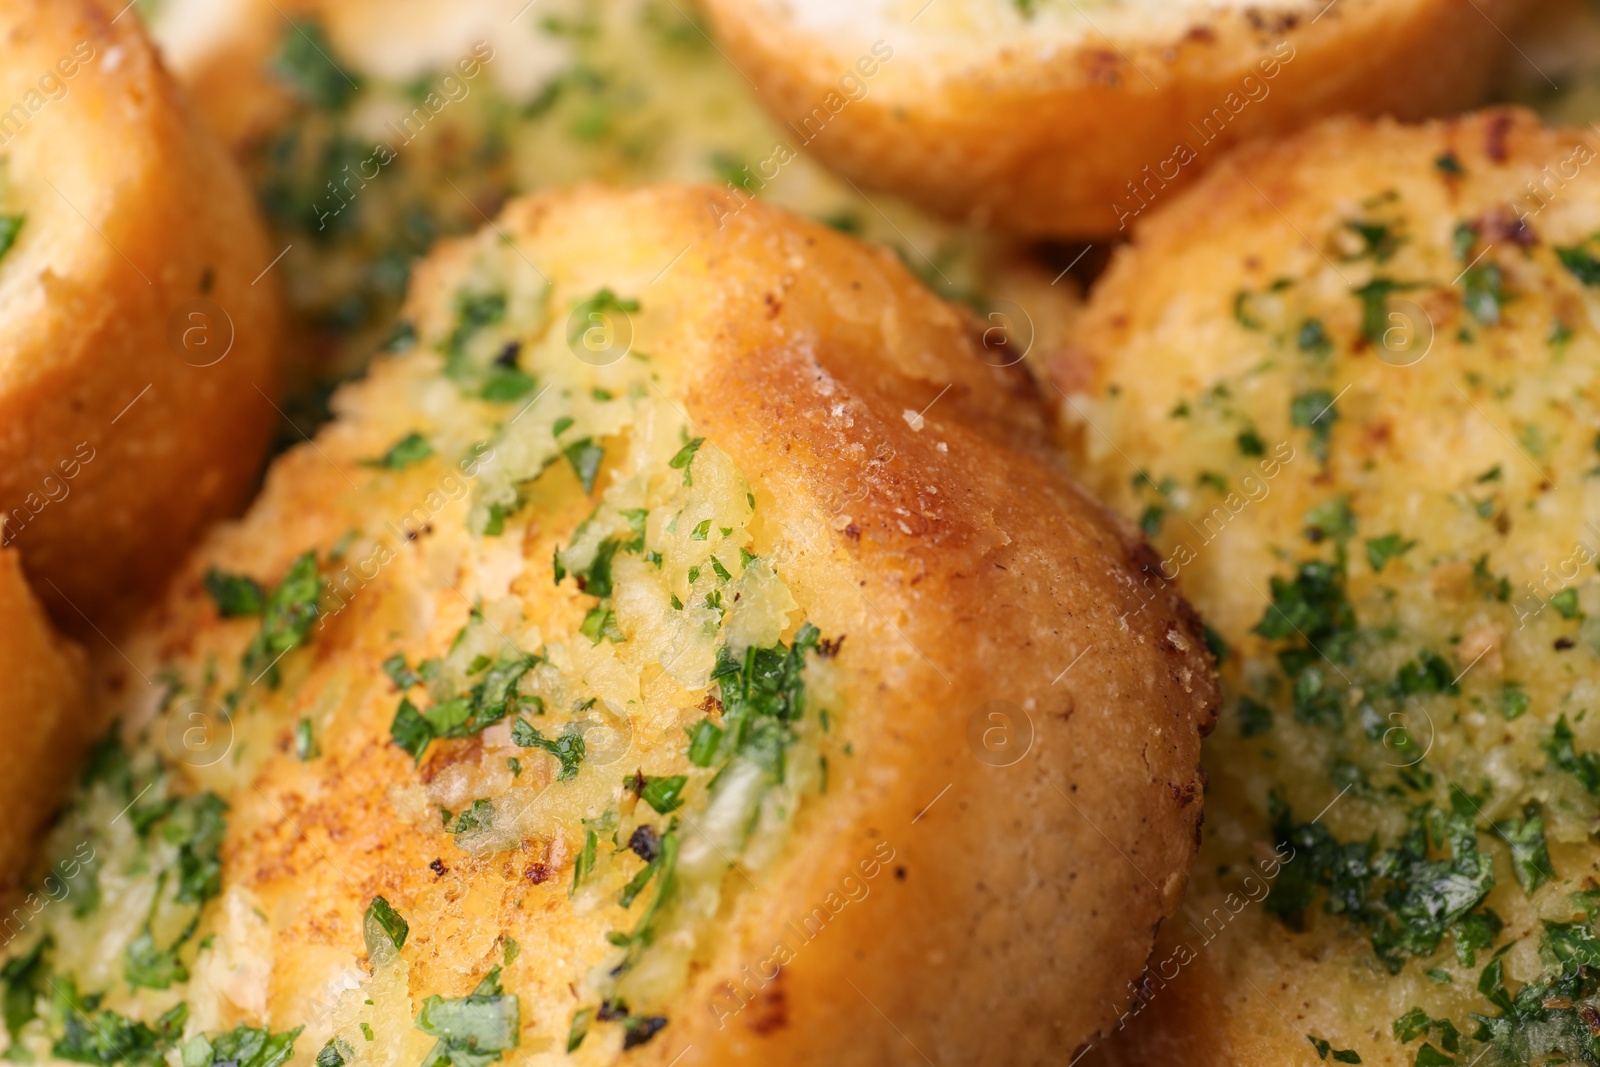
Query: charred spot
[768,1010]
[537,873]
[828,647]
[853,532]
[774,306]
[711,705]
[645,842]
[899,874]
[638,1030]
[611,1011]
[1202,34]
[1494,136]
[208,278]
[438,868]
[508,355]
[1563,643]
[1499,225]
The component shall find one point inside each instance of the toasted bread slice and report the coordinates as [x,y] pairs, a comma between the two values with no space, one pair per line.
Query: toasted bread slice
[1055,118]
[1349,383]
[138,358]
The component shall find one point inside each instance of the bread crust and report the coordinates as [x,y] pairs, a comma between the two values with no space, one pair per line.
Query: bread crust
[44,706]
[958,562]
[118,444]
[1082,139]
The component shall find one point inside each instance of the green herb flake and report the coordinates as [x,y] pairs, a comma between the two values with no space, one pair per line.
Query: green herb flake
[665,794]
[582,1019]
[584,864]
[1255,718]
[682,459]
[1580,264]
[410,449]
[305,63]
[568,748]
[473,1030]
[382,921]
[234,594]
[1380,550]
[10,226]
[305,741]
[1315,410]
[286,618]
[1530,854]
[585,457]
[243,1046]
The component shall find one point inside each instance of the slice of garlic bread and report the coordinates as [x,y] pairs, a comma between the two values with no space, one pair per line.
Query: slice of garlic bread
[688,650]
[1071,119]
[136,350]
[1349,384]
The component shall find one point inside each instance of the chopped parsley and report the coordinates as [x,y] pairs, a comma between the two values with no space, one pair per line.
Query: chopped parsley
[1564,756]
[1255,719]
[305,741]
[567,748]
[305,63]
[1250,443]
[1530,854]
[412,448]
[664,794]
[1315,410]
[1580,263]
[1407,897]
[94,1035]
[10,226]
[1380,550]
[381,920]
[1374,298]
[585,457]
[762,696]
[1483,292]
[234,594]
[473,1030]
[481,706]
[243,1046]
[1340,1055]
[1313,339]
[286,618]
[684,457]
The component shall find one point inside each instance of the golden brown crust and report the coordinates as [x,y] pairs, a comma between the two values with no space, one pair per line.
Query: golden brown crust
[957,562]
[116,449]
[45,711]
[1055,145]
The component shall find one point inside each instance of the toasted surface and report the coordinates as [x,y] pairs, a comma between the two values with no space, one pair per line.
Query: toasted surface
[1050,120]
[1354,400]
[982,771]
[123,427]
[45,707]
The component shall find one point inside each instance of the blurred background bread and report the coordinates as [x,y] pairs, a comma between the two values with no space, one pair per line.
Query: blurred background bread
[138,359]
[1051,118]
